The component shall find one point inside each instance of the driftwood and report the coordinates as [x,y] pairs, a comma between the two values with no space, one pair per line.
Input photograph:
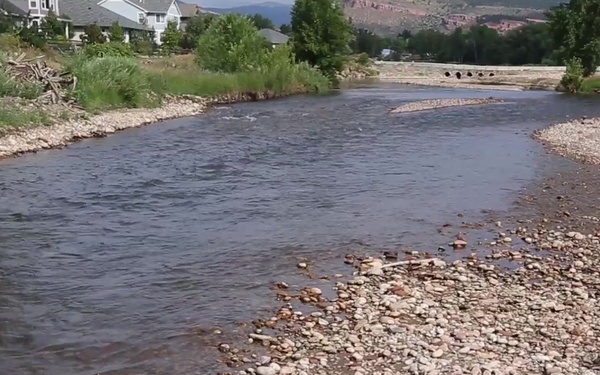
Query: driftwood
[36,71]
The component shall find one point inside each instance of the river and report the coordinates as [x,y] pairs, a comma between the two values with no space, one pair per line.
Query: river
[120,255]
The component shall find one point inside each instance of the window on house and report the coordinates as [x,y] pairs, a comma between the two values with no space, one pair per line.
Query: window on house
[46,4]
[160,18]
[33,4]
[141,18]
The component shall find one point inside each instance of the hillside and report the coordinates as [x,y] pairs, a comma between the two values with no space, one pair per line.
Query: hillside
[390,16]
[276,12]
[393,16]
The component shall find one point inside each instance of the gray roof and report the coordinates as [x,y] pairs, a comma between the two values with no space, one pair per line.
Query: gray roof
[157,6]
[274,37]
[188,10]
[87,12]
[15,6]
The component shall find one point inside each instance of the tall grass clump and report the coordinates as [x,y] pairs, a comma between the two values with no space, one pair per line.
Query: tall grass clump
[110,82]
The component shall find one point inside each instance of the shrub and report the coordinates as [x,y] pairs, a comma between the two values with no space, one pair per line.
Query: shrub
[171,38]
[110,82]
[114,49]
[93,35]
[32,36]
[116,34]
[363,59]
[572,81]
[231,44]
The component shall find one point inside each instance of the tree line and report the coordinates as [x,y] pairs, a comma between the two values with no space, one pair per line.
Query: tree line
[479,44]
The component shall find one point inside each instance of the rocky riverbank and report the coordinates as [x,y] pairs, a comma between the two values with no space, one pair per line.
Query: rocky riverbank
[523,300]
[578,139]
[80,125]
[424,105]
[428,317]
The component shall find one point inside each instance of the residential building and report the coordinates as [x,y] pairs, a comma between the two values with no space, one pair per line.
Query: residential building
[274,37]
[87,12]
[130,14]
[190,10]
[31,10]
[155,14]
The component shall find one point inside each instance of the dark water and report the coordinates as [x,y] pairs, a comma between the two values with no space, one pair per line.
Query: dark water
[118,255]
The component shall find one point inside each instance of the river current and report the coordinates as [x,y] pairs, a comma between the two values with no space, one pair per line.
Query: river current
[121,255]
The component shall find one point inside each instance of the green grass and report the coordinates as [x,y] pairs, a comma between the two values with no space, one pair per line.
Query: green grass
[120,82]
[590,84]
[294,79]
[110,82]
[13,117]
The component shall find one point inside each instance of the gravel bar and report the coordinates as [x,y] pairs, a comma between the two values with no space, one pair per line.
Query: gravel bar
[424,105]
[429,317]
[578,140]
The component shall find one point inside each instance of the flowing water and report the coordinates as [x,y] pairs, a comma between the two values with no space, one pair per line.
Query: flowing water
[120,255]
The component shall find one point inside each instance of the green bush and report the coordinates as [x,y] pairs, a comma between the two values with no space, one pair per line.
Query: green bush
[363,59]
[110,82]
[231,44]
[115,49]
[572,81]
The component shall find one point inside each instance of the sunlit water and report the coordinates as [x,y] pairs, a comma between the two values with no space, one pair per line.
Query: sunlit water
[118,255]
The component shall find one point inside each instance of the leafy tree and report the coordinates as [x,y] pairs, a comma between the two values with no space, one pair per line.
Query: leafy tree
[531,44]
[285,29]
[171,38]
[93,35]
[321,34]
[575,27]
[262,22]
[51,27]
[195,27]
[231,44]
[116,33]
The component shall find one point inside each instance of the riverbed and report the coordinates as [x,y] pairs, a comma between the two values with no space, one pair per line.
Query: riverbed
[123,255]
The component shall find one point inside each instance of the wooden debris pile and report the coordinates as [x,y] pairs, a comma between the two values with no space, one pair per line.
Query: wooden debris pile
[55,85]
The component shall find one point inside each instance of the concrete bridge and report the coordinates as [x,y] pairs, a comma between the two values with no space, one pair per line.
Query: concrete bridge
[446,74]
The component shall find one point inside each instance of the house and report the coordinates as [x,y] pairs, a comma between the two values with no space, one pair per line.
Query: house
[155,14]
[190,10]
[274,37]
[187,11]
[87,12]
[31,10]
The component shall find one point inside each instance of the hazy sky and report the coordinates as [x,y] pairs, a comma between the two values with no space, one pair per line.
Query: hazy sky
[233,3]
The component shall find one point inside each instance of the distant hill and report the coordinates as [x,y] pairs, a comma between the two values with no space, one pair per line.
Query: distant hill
[276,12]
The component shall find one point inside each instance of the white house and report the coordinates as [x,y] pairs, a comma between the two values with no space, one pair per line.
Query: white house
[152,13]
[87,12]
[130,14]
[31,10]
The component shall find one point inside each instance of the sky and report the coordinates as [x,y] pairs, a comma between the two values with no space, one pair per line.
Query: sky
[232,3]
